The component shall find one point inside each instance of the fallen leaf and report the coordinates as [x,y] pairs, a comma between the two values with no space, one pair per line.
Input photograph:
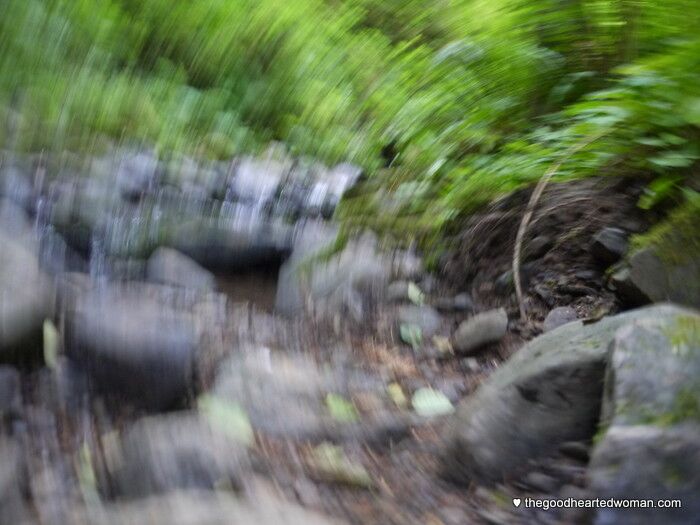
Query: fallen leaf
[411,334]
[341,409]
[227,416]
[330,463]
[429,403]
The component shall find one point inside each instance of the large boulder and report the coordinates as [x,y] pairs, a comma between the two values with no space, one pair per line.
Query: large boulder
[10,394]
[256,181]
[231,242]
[650,443]
[283,395]
[344,284]
[133,345]
[648,463]
[180,451]
[13,479]
[168,266]
[665,279]
[665,263]
[16,184]
[26,300]
[549,392]
[135,172]
[311,239]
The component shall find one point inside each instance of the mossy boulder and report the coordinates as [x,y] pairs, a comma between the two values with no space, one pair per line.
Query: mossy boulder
[549,392]
[650,448]
[664,263]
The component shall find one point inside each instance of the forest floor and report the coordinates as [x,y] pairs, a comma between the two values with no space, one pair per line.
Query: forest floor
[393,465]
[558,270]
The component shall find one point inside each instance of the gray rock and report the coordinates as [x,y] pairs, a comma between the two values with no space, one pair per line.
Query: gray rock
[504,284]
[459,303]
[340,179]
[621,282]
[283,395]
[10,394]
[666,279]
[482,328]
[168,266]
[609,245]
[541,482]
[13,479]
[649,449]
[547,393]
[231,243]
[397,291]
[133,346]
[537,247]
[163,453]
[653,370]
[310,240]
[26,299]
[326,188]
[56,257]
[425,317]
[648,462]
[577,450]
[559,316]
[13,218]
[345,284]
[16,185]
[406,265]
[135,172]
[257,180]
[202,507]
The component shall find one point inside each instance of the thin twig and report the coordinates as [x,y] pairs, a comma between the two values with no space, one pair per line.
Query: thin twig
[532,203]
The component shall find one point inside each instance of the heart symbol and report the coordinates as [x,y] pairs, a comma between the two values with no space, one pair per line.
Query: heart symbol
[516,502]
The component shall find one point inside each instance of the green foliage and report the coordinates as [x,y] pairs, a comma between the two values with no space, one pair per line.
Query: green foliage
[445,104]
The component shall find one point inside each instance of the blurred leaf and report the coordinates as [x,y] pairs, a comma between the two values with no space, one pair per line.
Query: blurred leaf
[51,344]
[397,396]
[415,295]
[429,403]
[341,409]
[227,416]
[411,334]
[86,475]
[657,191]
[330,463]
[673,159]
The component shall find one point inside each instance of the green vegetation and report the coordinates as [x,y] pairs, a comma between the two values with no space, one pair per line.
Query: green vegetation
[445,103]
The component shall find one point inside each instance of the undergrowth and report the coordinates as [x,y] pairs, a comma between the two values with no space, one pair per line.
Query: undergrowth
[446,105]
